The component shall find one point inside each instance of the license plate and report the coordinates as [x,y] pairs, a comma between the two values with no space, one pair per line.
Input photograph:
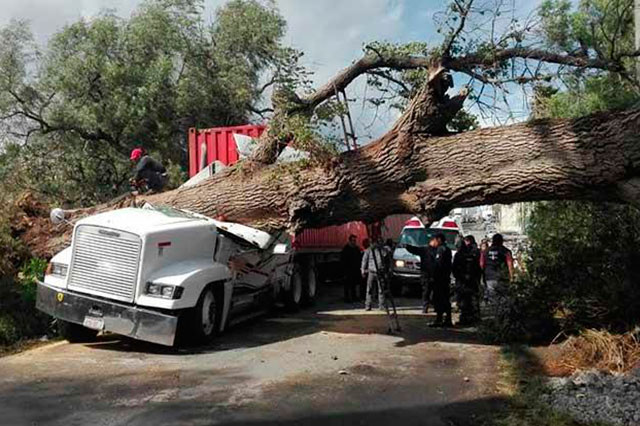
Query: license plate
[93,323]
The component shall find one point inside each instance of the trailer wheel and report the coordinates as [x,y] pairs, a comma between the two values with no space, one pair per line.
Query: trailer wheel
[205,319]
[76,333]
[310,286]
[293,296]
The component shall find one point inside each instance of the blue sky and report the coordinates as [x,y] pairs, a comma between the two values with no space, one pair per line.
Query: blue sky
[330,32]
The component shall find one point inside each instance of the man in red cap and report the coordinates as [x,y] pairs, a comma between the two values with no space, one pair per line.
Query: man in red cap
[149,170]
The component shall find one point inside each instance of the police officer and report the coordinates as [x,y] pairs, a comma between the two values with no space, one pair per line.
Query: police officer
[497,264]
[467,272]
[442,284]
[427,268]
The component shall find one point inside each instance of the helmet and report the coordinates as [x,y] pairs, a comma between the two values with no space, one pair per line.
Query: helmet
[136,154]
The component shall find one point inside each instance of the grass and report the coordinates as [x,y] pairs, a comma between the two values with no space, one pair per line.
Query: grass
[522,382]
[25,345]
[597,349]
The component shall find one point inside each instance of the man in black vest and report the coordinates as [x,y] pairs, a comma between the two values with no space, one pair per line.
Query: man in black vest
[466,270]
[497,264]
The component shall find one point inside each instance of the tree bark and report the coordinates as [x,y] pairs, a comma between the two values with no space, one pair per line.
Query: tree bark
[592,158]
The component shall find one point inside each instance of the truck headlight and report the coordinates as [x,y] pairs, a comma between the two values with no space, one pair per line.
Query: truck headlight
[57,269]
[399,263]
[164,291]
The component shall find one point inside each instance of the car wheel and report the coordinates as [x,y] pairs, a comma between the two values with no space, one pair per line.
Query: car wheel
[76,333]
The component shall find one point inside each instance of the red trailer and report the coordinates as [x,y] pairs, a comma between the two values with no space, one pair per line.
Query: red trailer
[323,244]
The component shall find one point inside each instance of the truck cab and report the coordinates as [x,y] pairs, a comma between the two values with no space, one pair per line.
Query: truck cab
[158,274]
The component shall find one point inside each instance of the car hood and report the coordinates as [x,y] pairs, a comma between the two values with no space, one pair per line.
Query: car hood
[401,253]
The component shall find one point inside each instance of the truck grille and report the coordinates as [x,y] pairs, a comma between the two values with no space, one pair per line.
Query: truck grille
[105,263]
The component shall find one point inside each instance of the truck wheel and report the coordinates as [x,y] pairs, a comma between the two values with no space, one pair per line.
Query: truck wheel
[310,287]
[206,316]
[76,333]
[293,296]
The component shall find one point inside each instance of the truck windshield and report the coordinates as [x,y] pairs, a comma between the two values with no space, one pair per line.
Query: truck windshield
[172,212]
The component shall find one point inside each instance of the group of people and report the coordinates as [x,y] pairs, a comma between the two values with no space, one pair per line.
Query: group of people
[366,272]
[479,273]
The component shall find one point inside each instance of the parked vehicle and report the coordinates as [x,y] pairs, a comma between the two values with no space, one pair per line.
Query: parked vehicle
[405,268]
[159,274]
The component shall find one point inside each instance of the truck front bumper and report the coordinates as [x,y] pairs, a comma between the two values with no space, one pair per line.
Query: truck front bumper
[139,323]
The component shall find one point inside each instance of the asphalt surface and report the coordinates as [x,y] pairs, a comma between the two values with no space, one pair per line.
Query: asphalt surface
[331,364]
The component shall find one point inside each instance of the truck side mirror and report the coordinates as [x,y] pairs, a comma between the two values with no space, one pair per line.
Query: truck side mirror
[57,216]
[281,249]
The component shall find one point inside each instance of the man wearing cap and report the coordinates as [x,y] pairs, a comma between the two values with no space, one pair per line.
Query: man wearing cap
[149,170]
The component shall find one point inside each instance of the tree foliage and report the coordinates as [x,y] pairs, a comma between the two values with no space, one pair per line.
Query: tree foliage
[583,260]
[105,85]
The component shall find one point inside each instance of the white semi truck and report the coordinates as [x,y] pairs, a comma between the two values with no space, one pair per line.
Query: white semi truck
[165,276]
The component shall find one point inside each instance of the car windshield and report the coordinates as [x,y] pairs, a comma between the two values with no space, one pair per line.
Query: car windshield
[415,237]
[420,236]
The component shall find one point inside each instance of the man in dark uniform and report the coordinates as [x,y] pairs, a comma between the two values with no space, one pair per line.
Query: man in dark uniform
[350,258]
[466,270]
[497,264]
[149,170]
[442,285]
[427,268]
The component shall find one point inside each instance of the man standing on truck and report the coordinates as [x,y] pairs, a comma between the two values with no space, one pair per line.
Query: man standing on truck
[148,170]
[372,268]
[428,257]
[466,270]
[497,264]
[350,258]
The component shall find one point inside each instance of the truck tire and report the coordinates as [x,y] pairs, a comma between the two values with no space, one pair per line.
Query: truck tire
[76,333]
[310,286]
[293,296]
[205,318]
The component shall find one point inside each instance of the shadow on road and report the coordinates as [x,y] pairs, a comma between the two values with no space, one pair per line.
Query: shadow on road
[328,314]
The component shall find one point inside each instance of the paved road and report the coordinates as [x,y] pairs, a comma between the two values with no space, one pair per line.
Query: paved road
[332,364]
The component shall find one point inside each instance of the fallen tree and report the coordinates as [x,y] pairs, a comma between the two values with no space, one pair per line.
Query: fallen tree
[419,166]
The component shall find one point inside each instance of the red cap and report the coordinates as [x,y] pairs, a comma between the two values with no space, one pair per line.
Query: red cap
[136,154]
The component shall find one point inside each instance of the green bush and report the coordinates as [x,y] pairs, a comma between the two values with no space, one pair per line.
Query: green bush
[582,270]
[19,318]
[522,312]
[587,255]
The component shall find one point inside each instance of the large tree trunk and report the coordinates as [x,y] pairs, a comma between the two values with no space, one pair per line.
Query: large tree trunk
[592,158]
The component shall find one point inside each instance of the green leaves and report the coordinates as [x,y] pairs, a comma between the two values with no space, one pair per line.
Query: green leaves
[108,84]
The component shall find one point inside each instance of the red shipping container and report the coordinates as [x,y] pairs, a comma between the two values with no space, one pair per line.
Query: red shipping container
[221,146]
